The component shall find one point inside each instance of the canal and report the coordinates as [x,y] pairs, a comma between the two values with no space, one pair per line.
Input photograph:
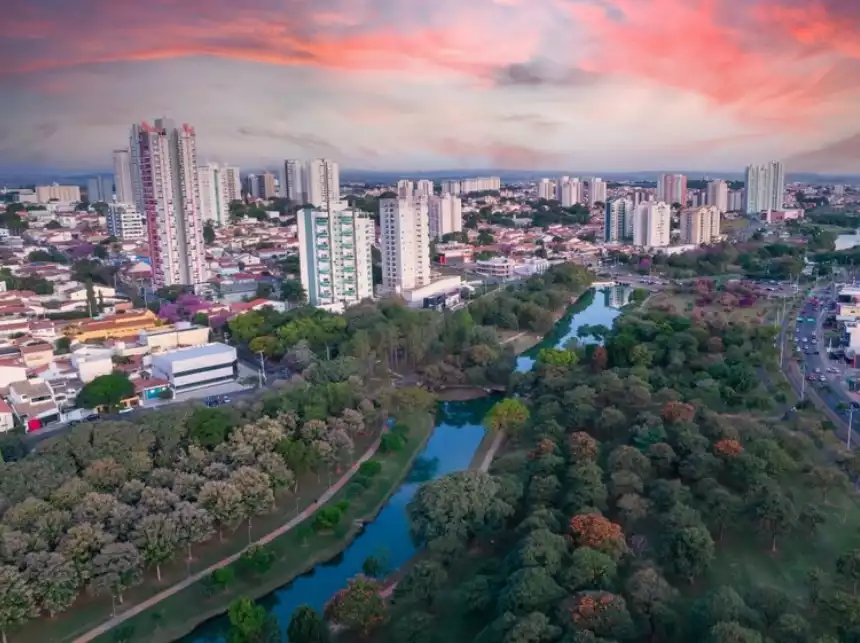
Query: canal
[455,440]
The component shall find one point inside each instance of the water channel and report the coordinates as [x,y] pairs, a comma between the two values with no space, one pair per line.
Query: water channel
[455,439]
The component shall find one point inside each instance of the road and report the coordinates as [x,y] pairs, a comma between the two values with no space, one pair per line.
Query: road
[178,587]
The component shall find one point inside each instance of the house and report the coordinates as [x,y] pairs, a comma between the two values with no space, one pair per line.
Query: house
[125,325]
[37,354]
[33,402]
[7,417]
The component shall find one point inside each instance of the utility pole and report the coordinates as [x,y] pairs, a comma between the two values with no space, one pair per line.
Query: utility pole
[850,425]
[262,370]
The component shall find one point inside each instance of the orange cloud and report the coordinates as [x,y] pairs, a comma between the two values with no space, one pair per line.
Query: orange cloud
[497,154]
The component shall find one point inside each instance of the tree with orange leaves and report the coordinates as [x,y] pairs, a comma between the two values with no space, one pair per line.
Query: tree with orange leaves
[358,607]
[728,448]
[677,412]
[597,532]
[583,446]
[603,613]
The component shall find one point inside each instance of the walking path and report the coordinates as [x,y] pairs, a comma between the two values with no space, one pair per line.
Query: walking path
[280,531]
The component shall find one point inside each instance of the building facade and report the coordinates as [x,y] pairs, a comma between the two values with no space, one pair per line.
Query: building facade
[765,187]
[652,223]
[672,188]
[124,221]
[100,189]
[700,225]
[546,189]
[292,181]
[405,240]
[335,255]
[618,220]
[170,191]
[596,191]
[322,183]
[445,215]
[56,192]
[718,195]
[122,181]
[405,188]
[214,201]
[569,192]
[424,187]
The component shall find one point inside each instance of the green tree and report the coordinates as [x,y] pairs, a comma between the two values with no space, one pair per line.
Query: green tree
[509,416]
[422,582]
[307,626]
[209,427]
[557,357]
[208,233]
[359,607]
[249,623]
[17,604]
[293,291]
[848,567]
[105,391]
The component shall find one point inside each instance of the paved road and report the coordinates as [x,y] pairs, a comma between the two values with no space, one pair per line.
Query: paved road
[280,531]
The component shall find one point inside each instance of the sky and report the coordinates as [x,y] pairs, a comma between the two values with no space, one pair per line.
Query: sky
[410,85]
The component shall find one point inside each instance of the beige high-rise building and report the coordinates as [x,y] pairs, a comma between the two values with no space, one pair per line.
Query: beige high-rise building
[292,183]
[569,191]
[652,222]
[700,225]
[214,197]
[123,184]
[618,220]
[596,191]
[405,188]
[322,183]
[765,187]
[57,192]
[232,183]
[445,214]
[451,187]
[424,187]
[266,186]
[546,189]
[166,156]
[405,240]
[718,195]
[672,188]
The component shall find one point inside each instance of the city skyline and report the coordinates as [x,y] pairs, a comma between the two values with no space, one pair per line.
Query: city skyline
[704,86]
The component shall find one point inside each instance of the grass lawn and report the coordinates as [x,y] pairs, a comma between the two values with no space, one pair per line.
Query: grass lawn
[684,303]
[296,552]
[727,226]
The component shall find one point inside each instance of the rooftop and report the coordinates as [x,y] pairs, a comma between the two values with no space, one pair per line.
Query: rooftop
[214,349]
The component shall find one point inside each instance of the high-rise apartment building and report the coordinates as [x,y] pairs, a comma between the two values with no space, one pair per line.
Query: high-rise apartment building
[765,187]
[335,254]
[100,189]
[232,183]
[124,221]
[122,181]
[618,221]
[546,189]
[266,186]
[481,184]
[57,192]
[405,240]
[596,191]
[641,196]
[405,189]
[214,194]
[700,225]
[445,215]
[718,195]
[321,183]
[166,159]
[672,188]
[451,187]
[292,183]
[424,187]
[249,187]
[569,191]
[652,222]
[736,200]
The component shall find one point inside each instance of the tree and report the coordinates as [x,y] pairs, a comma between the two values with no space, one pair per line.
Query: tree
[81,544]
[53,580]
[422,582]
[509,416]
[193,525]
[531,589]
[583,446]
[249,623]
[116,568]
[848,567]
[307,626]
[597,532]
[603,613]
[415,627]
[157,538]
[208,233]
[588,569]
[105,391]
[732,632]
[557,357]
[649,596]
[359,607]
[223,501]
[293,291]
[209,427]
[16,600]
[772,511]
[256,491]
[689,552]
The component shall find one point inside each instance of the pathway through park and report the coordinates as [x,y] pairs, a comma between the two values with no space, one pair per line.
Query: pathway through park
[178,587]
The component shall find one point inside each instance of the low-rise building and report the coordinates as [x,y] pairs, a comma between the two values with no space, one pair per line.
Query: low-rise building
[33,402]
[179,335]
[7,417]
[196,367]
[119,326]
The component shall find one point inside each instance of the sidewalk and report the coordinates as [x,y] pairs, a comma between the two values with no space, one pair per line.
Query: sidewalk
[280,531]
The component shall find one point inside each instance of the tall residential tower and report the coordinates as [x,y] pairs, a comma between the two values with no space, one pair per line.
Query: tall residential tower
[405,243]
[765,187]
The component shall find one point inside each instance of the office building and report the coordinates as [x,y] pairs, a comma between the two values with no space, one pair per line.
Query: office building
[765,187]
[334,255]
[596,191]
[100,189]
[405,189]
[546,189]
[196,366]
[718,195]
[424,187]
[700,225]
[672,188]
[569,191]
[618,221]
[652,223]
[214,200]
[292,182]
[321,183]
[445,215]
[405,241]
[170,190]
[124,221]
[56,192]
[122,181]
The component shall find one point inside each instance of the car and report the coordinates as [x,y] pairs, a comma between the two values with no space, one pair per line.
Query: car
[822,378]
[126,410]
[92,417]
[818,370]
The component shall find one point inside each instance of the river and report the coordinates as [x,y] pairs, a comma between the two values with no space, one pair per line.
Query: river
[455,440]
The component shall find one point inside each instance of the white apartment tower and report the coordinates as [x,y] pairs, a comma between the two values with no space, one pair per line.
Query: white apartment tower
[405,189]
[569,192]
[321,183]
[700,225]
[122,181]
[765,187]
[451,187]
[546,189]
[445,214]
[618,221]
[292,181]
[214,194]
[166,157]
[672,188]
[335,255]
[652,223]
[124,221]
[596,191]
[424,187]
[405,243]
[718,195]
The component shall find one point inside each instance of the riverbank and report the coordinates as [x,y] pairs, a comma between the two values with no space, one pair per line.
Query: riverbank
[297,552]
[465,393]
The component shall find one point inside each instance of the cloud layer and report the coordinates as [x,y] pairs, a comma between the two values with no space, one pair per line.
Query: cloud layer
[580,85]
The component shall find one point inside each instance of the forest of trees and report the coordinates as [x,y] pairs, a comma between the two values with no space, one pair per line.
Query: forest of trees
[641,496]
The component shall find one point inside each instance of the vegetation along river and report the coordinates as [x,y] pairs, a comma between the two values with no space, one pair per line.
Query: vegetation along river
[456,437]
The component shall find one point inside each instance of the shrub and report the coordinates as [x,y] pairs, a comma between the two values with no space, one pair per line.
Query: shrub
[400,429]
[256,560]
[370,468]
[327,518]
[391,442]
